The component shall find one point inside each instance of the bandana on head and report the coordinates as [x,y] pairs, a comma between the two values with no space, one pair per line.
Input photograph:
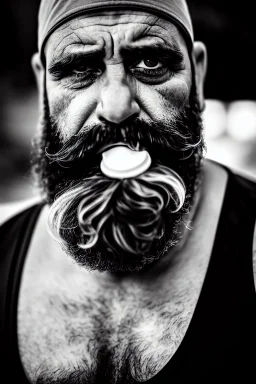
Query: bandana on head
[53,13]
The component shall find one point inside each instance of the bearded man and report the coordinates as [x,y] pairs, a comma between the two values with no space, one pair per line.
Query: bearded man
[136,264]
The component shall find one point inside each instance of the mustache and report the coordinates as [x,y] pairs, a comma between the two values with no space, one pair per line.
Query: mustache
[89,142]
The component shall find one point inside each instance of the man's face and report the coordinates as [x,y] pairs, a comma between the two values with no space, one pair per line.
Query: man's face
[114,67]
[117,74]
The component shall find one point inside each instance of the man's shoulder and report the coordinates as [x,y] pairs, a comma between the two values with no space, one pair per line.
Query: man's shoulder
[247,186]
[246,180]
[10,209]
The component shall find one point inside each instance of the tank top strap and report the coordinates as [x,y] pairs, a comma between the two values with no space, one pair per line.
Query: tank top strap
[217,345]
[15,237]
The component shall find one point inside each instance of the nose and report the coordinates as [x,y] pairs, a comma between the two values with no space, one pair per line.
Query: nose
[117,102]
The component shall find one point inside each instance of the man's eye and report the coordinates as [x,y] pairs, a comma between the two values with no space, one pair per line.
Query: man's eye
[152,71]
[81,75]
[83,69]
[149,64]
[79,70]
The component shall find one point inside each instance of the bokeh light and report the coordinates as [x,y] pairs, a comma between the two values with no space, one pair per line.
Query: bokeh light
[241,120]
[215,118]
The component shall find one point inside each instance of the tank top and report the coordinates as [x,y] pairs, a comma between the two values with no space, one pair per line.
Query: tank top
[220,343]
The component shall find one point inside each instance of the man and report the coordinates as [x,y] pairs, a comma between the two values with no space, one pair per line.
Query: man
[144,273]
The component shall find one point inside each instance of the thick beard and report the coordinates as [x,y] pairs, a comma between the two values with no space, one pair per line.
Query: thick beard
[127,229]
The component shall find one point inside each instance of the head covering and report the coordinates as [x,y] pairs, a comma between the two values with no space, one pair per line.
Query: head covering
[53,13]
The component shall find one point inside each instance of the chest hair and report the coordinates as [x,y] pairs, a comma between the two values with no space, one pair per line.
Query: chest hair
[113,335]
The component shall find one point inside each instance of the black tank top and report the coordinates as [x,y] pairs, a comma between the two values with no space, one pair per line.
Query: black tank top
[220,343]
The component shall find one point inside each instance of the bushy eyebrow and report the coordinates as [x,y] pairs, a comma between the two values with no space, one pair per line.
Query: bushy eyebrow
[128,52]
[162,50]
[72,58]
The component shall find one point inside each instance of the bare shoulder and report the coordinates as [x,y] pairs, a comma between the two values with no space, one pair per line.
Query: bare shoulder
[215,179]
[8,210]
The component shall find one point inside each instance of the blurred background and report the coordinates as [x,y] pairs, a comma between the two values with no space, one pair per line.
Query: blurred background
[226,27]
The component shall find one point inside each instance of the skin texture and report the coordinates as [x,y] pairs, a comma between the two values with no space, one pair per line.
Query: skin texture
[62,309]
[141,318]
[75,322]
[117,83]
[118,92]
[122,84]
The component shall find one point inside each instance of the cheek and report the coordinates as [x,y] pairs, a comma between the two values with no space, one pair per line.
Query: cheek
[163,100]
[176,96]
[71,111]
[59,105]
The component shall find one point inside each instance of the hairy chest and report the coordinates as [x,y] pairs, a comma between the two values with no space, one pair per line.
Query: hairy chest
[74,333]
[112,336]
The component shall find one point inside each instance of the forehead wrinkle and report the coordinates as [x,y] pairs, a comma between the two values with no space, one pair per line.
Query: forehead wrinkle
[81,47]
[152,38]
[53,47]
[158,31]
[77,45]
[62,40]
[152,26]
[150,21]
[115,18]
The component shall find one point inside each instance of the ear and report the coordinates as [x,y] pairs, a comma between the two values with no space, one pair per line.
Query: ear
[199,56]
[39,72]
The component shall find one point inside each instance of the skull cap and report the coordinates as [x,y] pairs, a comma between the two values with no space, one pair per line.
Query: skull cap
[53,13]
